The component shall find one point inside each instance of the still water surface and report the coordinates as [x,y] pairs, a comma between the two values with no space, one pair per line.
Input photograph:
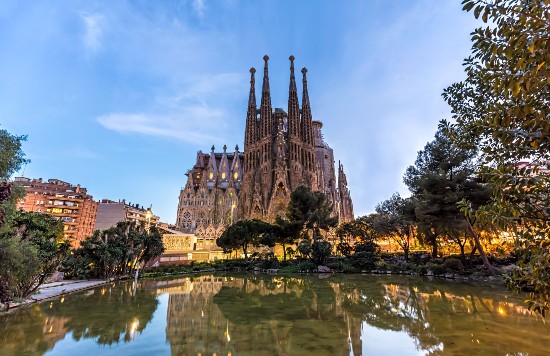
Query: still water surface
[279,315]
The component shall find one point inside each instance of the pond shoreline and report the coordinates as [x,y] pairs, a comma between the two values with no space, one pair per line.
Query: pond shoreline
[57,289]
[54,290]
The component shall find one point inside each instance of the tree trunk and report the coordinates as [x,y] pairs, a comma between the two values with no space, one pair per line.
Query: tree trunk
[284,252]
[434,246]
[462,256]
[486,262]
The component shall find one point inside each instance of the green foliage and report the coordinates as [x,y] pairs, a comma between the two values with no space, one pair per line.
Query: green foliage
[246,233]
[310,210]
[396,219]
[320,251]
[285,233]
[120,250]
[503,106]
[444,175]
[12,156]
[304,248]
[360,230]
[344,248]
[31,249]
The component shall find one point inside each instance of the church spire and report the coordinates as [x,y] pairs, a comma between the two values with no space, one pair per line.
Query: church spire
[307,128]
[293,105]
[265,108]
[250,133]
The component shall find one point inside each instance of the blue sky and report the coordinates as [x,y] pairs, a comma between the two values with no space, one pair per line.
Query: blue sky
[120,95]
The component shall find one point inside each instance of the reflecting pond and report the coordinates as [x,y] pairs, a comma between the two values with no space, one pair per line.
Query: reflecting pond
[279,315]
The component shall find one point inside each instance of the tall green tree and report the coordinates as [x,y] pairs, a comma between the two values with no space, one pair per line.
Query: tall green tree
[311,210]
[12,158]
[356,232]
[119,250]
[285,232]
[503,106]
[31,244]
[31,249]
[397,220]
[442,176]
[245,234]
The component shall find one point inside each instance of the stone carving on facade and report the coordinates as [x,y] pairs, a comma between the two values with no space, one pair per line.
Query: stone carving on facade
[282,150]
[178,242]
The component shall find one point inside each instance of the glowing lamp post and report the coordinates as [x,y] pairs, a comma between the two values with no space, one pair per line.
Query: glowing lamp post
[232,210]
[148,216]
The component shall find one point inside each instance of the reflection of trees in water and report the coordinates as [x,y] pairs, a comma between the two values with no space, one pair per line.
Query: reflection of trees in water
[444,316]
[284,316]
[110,314]
[311,315]
[23,332]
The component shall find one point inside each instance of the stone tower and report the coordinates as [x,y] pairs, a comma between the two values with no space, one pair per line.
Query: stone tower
[282,150]
[279,150]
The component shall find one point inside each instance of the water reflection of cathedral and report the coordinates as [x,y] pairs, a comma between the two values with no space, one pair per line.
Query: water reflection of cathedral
[198,322]
[281,315]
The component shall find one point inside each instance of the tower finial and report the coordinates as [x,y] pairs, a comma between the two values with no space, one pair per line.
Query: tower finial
[224,148]
[252,95]
[213,148]
[293,105]
[250,132]
[265,106]
[307,128]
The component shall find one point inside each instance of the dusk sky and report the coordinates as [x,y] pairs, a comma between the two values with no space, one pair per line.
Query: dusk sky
[120,95]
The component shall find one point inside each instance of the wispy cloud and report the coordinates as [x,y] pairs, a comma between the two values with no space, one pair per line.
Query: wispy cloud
[188,116]
[194,124]
[93,31]
[199,7]
[207,88]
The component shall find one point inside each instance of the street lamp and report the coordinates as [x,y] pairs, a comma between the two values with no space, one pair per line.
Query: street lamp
[148,216]
[232,209]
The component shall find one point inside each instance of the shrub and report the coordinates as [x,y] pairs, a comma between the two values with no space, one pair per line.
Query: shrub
[453,265]
[321,251]
[364,260]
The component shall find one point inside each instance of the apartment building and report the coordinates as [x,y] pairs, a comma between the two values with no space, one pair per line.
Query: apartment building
[111,212]
[67,202]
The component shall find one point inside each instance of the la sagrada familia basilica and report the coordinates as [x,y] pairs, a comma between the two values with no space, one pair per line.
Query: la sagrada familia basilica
[282,150]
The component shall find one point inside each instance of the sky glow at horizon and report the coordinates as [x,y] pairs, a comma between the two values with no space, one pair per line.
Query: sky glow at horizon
[119,96]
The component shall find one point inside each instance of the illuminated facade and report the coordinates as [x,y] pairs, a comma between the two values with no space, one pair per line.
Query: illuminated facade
[282,150]
[69,203]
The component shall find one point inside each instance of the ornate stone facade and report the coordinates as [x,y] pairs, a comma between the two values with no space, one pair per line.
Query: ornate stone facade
[282,150]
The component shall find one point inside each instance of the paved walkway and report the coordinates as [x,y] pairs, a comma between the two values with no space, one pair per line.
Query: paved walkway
[56,289]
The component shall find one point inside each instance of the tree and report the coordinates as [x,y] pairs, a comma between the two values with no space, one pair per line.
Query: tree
[312,211]
[442,176]
[357,232]
[286,233]
[396,219]
[121,249]
[12,158]
[246,233]
[31,250]
[503,106]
